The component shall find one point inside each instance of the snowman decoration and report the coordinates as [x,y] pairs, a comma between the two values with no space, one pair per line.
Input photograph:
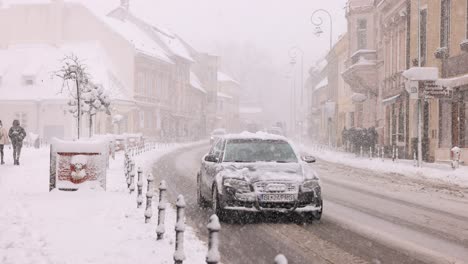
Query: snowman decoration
[78,164]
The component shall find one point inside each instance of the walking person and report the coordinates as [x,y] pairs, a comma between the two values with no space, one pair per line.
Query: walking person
[3,142]
[17,135]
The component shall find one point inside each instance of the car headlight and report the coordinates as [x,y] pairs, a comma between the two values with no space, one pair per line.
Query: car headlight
[239,185]
[310,186]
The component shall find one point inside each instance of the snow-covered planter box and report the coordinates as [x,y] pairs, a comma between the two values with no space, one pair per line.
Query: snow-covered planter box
[78,163]
[441,53]
[464,45]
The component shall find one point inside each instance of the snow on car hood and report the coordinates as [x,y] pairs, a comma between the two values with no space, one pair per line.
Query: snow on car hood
[267,171]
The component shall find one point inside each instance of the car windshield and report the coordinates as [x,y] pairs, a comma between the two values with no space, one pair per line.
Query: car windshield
[255,150]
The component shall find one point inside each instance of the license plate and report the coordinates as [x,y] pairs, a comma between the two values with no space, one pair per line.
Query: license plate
[277,197]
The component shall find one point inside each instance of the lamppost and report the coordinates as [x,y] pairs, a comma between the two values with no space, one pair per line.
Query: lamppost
[293,52]
[317,21]
[420,100]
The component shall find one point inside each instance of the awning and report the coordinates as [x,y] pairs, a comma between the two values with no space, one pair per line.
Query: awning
[391,99]
[422,74]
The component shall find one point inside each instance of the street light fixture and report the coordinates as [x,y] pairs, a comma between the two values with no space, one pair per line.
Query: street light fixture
[317,21]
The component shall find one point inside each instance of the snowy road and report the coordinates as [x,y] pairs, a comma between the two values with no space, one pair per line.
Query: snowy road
[368,218]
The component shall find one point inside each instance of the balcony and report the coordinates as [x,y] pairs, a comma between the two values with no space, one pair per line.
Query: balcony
[361,72]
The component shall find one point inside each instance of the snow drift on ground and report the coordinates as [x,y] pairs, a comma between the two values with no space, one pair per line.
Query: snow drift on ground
[439,173]
[87,226]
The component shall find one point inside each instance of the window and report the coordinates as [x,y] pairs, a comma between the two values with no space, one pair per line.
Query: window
[423,37]
[444,23]
[351,119]
[362,34]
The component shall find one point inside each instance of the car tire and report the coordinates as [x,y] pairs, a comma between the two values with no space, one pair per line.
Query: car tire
[315,215]
[217,207]
[201,201]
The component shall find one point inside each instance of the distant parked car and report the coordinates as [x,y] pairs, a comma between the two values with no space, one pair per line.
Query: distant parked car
[258,172]
[216,134]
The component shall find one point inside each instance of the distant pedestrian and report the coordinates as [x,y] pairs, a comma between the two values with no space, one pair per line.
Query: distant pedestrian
[17,135]
[3,141]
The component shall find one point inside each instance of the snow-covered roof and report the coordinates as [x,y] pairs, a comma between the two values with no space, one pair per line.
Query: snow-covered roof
[258,135]
[223,95]
[323,83]
[174,44]
[139,39]
[250,110]
[223,77]
[42,61]
[195,82]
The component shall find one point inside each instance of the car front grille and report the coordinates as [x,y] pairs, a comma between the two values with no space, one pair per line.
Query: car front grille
[276,187]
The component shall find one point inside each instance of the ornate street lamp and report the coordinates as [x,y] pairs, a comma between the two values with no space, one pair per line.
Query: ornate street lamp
[317,21]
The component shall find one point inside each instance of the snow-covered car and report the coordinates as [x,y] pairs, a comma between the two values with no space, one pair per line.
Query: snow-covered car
[258,172]
[216,134]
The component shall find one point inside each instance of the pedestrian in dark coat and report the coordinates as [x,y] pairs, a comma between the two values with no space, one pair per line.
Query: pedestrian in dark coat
[17,135]
[3,141]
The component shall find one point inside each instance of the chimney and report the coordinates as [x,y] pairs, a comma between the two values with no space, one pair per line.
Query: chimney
[125,4]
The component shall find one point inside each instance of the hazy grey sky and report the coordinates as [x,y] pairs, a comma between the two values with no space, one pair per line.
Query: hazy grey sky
[272,25]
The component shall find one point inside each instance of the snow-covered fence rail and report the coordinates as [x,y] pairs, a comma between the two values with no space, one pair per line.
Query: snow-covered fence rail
[213,255]
[140,188]
[161,229]
[179,254]
[149,198]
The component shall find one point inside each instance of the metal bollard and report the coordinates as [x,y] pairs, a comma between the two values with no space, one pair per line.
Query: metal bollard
[393,153]
[179,255]
[396,153]
[370,153]
[131,181]
[213,256]
[415,160]
[140,188]
[131,165]
[160,230]
[383,153]
[149,198]
[281,259]
[361,152]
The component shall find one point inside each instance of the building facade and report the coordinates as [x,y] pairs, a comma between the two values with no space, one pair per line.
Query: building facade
[160,86]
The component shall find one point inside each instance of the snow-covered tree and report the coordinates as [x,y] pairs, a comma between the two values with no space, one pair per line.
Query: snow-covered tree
[75,79]
[96,100]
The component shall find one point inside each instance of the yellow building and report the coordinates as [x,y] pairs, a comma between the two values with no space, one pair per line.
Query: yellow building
[443,45]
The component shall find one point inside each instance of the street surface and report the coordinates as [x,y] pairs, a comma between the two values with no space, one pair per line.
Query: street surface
[368,218]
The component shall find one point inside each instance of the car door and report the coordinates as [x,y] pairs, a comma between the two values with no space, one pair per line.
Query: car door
[209,168]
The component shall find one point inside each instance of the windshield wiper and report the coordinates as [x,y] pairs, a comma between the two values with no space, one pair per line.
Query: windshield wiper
[282,161]
[242,161]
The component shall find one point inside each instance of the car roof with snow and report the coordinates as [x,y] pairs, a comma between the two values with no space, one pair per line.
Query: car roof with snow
[258,135]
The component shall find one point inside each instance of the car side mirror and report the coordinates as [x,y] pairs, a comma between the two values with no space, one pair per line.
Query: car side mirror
[308,159]
[211,158]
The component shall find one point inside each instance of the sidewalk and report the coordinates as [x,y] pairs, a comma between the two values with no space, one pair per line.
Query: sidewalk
[87,226]
[434,172]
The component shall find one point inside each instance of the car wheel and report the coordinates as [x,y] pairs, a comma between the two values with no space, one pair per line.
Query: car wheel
[315,215]
[217,207]
[200,199]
